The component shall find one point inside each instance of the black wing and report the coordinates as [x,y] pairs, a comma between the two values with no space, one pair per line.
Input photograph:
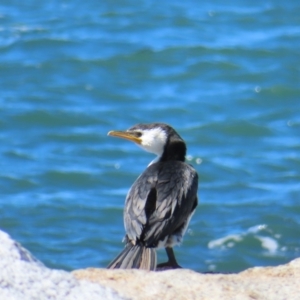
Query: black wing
[160,201]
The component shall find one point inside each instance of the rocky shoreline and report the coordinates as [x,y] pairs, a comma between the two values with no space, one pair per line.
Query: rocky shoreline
[281,282]
[24,277]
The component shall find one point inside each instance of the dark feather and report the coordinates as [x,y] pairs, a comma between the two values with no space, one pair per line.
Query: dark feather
[160,201]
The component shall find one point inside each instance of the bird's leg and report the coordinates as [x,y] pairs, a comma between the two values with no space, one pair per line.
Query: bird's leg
[172,259]
[171,263]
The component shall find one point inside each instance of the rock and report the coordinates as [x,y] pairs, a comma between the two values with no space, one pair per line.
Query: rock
[24,277]
[282,282]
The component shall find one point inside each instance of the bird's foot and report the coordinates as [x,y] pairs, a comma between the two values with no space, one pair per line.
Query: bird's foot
[167,266]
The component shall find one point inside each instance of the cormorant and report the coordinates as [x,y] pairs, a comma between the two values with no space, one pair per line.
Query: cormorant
[162,200]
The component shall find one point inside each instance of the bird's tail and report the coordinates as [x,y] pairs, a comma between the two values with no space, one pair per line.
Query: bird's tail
[135,257]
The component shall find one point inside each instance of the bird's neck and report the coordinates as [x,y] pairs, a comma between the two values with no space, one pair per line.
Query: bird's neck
[174,150]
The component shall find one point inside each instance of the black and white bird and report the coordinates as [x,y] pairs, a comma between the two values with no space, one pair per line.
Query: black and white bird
[162,200]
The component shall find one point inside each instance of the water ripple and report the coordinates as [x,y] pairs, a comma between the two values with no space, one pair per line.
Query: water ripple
[226,76]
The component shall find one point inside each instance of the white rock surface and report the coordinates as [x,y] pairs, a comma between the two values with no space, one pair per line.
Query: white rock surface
[259,283]
[22,277]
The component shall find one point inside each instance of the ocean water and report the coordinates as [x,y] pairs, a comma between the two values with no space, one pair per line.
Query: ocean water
[225,76]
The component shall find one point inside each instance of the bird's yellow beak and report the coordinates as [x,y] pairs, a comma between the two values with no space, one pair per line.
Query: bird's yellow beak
[131,136]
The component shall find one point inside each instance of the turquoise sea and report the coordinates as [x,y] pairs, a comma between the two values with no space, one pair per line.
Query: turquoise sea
[226,76]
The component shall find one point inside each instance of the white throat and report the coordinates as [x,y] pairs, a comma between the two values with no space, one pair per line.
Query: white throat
[154,141]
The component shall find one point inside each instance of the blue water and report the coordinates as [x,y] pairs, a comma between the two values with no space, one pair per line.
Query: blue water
[225,76]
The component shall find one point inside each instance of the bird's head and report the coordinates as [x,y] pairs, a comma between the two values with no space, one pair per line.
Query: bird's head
[158,138]
[151,137]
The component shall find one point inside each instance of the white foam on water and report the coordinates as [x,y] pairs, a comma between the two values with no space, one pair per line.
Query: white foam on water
[257,228]
[222,241]
[268,243]
[229,241]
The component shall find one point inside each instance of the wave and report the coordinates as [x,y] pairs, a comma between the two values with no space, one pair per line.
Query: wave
[268,243]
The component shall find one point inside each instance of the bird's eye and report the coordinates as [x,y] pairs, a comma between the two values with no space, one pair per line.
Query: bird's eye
[138,134]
